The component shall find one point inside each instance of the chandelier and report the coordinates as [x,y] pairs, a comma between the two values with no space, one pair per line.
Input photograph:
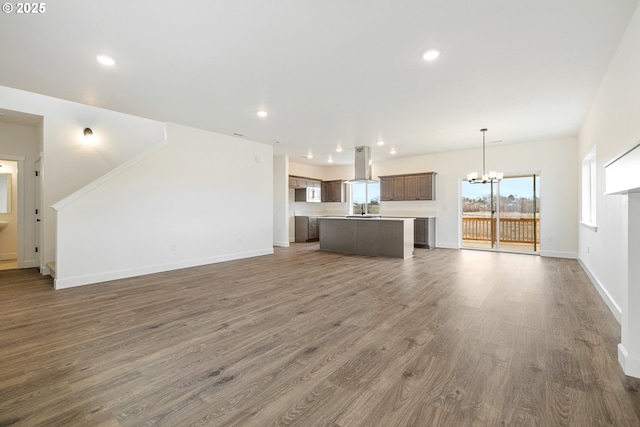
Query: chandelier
[492,176]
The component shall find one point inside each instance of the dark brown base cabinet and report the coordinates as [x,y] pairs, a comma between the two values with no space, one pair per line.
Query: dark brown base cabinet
[424,230]
[306,229]
[417,186]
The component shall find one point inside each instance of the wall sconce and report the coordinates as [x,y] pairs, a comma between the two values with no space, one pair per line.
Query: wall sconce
[88,135]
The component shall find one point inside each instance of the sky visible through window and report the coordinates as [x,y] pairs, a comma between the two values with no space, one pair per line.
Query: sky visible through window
[517,187]
[365,198]
[359,191]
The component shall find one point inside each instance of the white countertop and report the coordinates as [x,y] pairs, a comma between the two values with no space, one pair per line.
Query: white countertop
[375,218]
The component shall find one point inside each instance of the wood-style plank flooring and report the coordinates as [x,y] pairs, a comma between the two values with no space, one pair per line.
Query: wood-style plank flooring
[309,338]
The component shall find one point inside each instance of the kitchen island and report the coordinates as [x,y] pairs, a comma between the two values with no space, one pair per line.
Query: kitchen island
[374,236]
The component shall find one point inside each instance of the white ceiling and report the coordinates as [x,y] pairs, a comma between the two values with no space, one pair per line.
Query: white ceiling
[329,72]
[19,118]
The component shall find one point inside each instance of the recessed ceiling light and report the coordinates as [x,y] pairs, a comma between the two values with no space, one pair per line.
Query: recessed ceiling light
[430,55]
[330,160]
[262,114]
[393,151]
[380,142]
[106,60]
[339,149]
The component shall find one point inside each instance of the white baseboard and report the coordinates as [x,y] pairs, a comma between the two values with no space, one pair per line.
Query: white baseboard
[69,282]
[28,264]
[604,294]
[282,244]
[447,246]
[631,367]
[559,254]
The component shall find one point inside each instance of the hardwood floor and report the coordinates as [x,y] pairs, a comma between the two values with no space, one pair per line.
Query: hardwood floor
[303,337]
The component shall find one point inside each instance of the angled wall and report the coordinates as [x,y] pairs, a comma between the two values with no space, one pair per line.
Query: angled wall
[68,163]
[200,198]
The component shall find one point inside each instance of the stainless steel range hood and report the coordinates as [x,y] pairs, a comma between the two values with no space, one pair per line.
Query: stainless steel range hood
[362,165]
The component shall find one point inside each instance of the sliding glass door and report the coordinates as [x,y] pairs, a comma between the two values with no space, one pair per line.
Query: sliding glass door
[502,215]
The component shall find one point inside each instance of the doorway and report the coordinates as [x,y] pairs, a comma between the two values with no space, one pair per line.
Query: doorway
[8,214]
[502,215]
[20,142]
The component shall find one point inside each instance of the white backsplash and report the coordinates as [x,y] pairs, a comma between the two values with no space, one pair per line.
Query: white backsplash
[408,209]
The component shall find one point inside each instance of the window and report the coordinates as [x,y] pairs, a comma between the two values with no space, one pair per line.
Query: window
[589,189]
[503,216]
[364,198]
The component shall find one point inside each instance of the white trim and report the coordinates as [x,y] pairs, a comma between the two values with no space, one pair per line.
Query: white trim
[108,176]
[591,226]
[631,367]
[281,244]
[618,157]
[620,176]
[123,274]
[502,251]
[8,256]
[30,263]
[588,185]
[604,294]
[559,254]
[447,246]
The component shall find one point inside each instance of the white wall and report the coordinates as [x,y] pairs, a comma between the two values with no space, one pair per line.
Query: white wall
[201,198]
[612,126]
[553,160]
[308,171]
[281,201]
[67,162]
[21,142]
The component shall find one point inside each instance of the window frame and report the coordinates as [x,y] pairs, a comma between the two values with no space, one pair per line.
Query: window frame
[367,198]
[588,188]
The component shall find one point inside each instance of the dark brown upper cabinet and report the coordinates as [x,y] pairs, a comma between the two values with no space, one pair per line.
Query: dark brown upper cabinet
[415,186]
